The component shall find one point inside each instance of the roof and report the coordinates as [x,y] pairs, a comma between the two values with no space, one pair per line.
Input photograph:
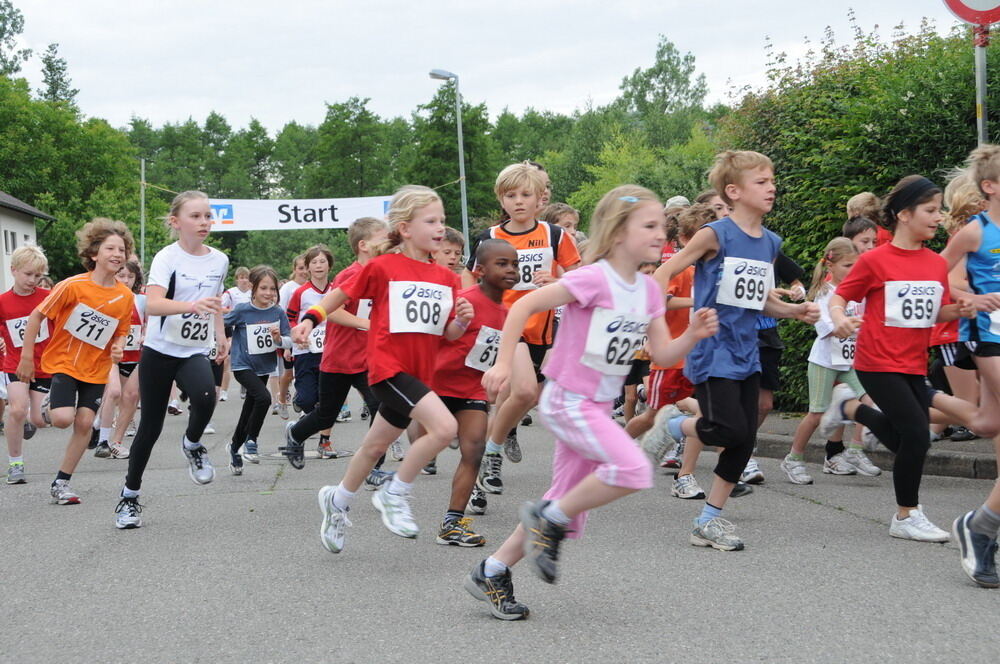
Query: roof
[11,203]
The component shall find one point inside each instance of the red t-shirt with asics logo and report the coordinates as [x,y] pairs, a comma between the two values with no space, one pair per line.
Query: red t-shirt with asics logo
[14,312]
[346,348]
[453,377]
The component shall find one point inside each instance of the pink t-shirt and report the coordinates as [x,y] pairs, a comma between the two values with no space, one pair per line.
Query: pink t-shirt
[601,330]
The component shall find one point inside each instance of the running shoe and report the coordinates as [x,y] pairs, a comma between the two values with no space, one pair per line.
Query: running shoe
[199,466]
[489,479]
[293,449]
[619,411]
[95,436]
[103,450]
[430,469]
[174,408]
[834,415]
[978,553]
[250,452]
[377,478]
[333,530]
[686,487]
[15,474]
[796,471]
[916,527]
[325,449]
[477,501]
[344,415]
[364,412]
[497,591]
[718,533]
[43,410]
[127,514]
[963,434]
[223,395]
[243,392]
[457,532]
[274,408]
[63,494]
[741,489]
[130,430]
[526,420]
[283,411]
[396,450]
[512,448]
[658,439]
[857,458]
[839,465]
[29,430]
[673,457]
[453,444]
[397,515]
[296,407]
[119,451]
[752,473]
[235,461]
[209,428]
[542,540]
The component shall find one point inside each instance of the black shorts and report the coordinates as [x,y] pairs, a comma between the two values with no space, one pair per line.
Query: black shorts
[68,391]
[287,364]
[770,368]
[639,370]
[42,385]
[986,349]
[455,404]
[537,352]
[125,369]
[399,395]
[956,355]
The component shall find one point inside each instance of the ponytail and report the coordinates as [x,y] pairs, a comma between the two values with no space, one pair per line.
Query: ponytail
[836,249]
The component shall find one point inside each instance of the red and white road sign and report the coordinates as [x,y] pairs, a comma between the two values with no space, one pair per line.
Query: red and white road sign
[977,12]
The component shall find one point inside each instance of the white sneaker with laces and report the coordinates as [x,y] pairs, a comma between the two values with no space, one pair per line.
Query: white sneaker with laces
[333,530]
[686,487]
[861,462]
[796,471]
[396,451]
[396,512]
[838,465]
[223,395]
[834,415]
[752,473]
[209,428]
[917,527]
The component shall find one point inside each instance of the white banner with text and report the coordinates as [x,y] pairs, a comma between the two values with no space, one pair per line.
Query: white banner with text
[276,215]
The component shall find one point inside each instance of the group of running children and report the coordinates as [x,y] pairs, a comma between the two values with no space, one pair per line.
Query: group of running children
[705,319]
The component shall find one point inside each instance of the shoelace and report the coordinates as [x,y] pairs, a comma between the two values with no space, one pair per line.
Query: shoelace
[493,465]
[196,456]
[724,526]
[131,506]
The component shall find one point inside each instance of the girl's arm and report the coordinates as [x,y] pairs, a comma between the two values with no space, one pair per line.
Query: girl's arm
[666,351]
[221,342]
[543,299]
[332,301]
[26,367]
[347,319]
[157,304]
[680,303]
[807,312]
[844,326]
[705,243]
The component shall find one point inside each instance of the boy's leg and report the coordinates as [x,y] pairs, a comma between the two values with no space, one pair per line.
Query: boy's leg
[333,389]
[471,443]
[17,414]
[87,397]
[523,395]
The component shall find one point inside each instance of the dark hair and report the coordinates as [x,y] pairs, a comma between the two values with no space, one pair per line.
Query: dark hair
[318,250]
[136,271]
[258,274]
[856,226]
[487,246]
[911,191]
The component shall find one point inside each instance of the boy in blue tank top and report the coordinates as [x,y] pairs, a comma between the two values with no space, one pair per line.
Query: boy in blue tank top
[734,273]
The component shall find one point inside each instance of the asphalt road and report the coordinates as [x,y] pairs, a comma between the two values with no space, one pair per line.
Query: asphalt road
[234,571]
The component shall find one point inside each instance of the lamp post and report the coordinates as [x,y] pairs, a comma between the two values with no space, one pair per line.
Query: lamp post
[442,75]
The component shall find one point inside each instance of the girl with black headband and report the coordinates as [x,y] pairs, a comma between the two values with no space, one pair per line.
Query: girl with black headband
[906,288]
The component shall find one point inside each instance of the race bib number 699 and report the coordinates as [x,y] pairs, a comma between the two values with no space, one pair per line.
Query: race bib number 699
[745,283]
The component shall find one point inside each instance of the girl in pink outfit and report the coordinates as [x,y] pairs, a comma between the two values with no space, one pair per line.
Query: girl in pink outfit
[610,310]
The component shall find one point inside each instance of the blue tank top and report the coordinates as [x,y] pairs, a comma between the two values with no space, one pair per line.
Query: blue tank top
[732,353]
[983,267]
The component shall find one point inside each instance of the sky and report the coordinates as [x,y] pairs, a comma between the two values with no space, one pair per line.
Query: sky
[170,60]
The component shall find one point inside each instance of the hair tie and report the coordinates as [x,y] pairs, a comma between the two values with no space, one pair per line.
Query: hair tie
[908,196]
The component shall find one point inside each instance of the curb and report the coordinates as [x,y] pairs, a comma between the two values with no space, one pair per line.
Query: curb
[947,463]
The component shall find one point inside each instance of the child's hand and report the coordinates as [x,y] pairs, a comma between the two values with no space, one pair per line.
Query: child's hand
[221,350]
[207,305]
[3,346]
[275,334]
[983,302]
[808,312]
[967,307]
[464,311]
[543,278]
[26,370]
[117,350]
[704,323]
[495,381]
[300,333]
[847,327]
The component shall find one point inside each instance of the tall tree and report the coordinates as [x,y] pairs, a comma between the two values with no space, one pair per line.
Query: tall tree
[11,25]
[294,147]
[56,84]
[348,150]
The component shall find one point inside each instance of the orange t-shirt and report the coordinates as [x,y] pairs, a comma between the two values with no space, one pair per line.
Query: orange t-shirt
[85,317]
[679,319]
[535,252]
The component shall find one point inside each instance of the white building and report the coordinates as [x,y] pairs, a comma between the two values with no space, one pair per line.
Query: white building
[17,224]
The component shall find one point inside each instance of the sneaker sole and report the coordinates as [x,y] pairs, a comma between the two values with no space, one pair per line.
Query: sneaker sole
[129,526]
[917,539]
[323,507]
[71,501]
[475,510]
[697,496]
[377,502]
[467,545]
[828,471]
[191,471]
[701,541]
[794,480]
[756,479]
[236,470]
[20,481]
[252,458]
[473,589]
[963,548]
[101,454]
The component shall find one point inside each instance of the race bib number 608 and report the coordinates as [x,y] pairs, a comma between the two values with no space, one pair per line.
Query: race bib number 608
[418,306]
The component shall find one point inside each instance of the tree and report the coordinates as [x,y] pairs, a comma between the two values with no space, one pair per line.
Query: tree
[291,157]
[57,86]
[350,142]
[11,25]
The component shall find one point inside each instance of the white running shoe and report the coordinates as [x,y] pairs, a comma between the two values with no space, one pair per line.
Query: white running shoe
[834,415]
[861,462]
[752,473]
[209,428]
[917,527]
[333,530]
[796,471]
[686,487]
[838,465]
[396,513]
[119,451]
[283,411]
[396,450]
[130,430]
[274,408]
[199,467]
[223,395]
[62,494]
[127,514]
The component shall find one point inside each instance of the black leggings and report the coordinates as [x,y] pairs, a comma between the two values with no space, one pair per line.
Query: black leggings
[729,420]
[903,426]
[157,373]
[255,406]
[333,389]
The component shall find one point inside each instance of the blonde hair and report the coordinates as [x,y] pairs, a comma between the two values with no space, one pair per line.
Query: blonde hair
[519,175]
[28,257]
[295,261]
[609,218]
[553,211]
[866,204]
[176,205]
[836,250]
[984,164]
[729,167]
[402,207]
[452,236]
[241,271]
[363,229]
[692,218]
[93,234]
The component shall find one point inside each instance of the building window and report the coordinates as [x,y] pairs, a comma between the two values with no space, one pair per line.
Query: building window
[9,241]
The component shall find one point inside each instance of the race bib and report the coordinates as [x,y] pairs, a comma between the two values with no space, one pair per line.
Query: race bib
[530,261]
[317,338]
[912,304]
[194,330]
[994,323]
[842,350]
[483,354]
[364,309]
[259,339]
[418,306]
[134,339]
[17,326]
[745,283]
[613,339]
[90,326]
[213,352]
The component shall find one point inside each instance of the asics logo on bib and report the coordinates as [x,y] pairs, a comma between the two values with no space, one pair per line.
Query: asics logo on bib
[917,291]
[751,270]
[424,293]
[532,257]
[493,339]
[627,327]
[96,317]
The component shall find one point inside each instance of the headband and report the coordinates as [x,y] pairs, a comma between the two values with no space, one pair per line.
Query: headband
[909,195]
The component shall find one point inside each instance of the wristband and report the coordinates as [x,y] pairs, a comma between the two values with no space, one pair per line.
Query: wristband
[462,325]
[319,312]
[313,316]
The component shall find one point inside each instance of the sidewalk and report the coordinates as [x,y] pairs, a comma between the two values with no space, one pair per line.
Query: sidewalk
[974,459]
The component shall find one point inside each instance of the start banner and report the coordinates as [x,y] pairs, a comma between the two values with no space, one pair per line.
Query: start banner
[276,215]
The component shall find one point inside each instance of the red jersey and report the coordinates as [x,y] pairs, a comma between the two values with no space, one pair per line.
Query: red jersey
[905,289]
[14,312]
[345,351]
[412,303]
[462,362]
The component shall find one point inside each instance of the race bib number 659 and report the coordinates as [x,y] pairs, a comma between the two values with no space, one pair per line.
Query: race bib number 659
[912,303]
[418,306]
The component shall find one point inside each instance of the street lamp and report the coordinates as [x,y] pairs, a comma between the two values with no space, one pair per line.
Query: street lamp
[442,75]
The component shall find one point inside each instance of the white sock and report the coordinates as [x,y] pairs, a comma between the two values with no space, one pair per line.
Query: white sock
[188,445]
[17,459]
[105,435]
[342,498]
[398,487]
[554,514]
[493,448]
[493,567]
[129,493]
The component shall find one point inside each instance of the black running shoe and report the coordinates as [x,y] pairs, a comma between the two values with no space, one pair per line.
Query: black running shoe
[541,544]
[498,591]
[103,450]
[94,436]
[962,434]
[741,489]
[526,420]
[293,450]
[430,469]
[489,479]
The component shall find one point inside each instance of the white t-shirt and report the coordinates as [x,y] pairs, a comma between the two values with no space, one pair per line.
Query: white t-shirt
[285,293]
[827,351]
[187,278]
[234,296]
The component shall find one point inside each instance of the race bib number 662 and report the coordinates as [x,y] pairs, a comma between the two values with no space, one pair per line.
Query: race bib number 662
[418,306]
